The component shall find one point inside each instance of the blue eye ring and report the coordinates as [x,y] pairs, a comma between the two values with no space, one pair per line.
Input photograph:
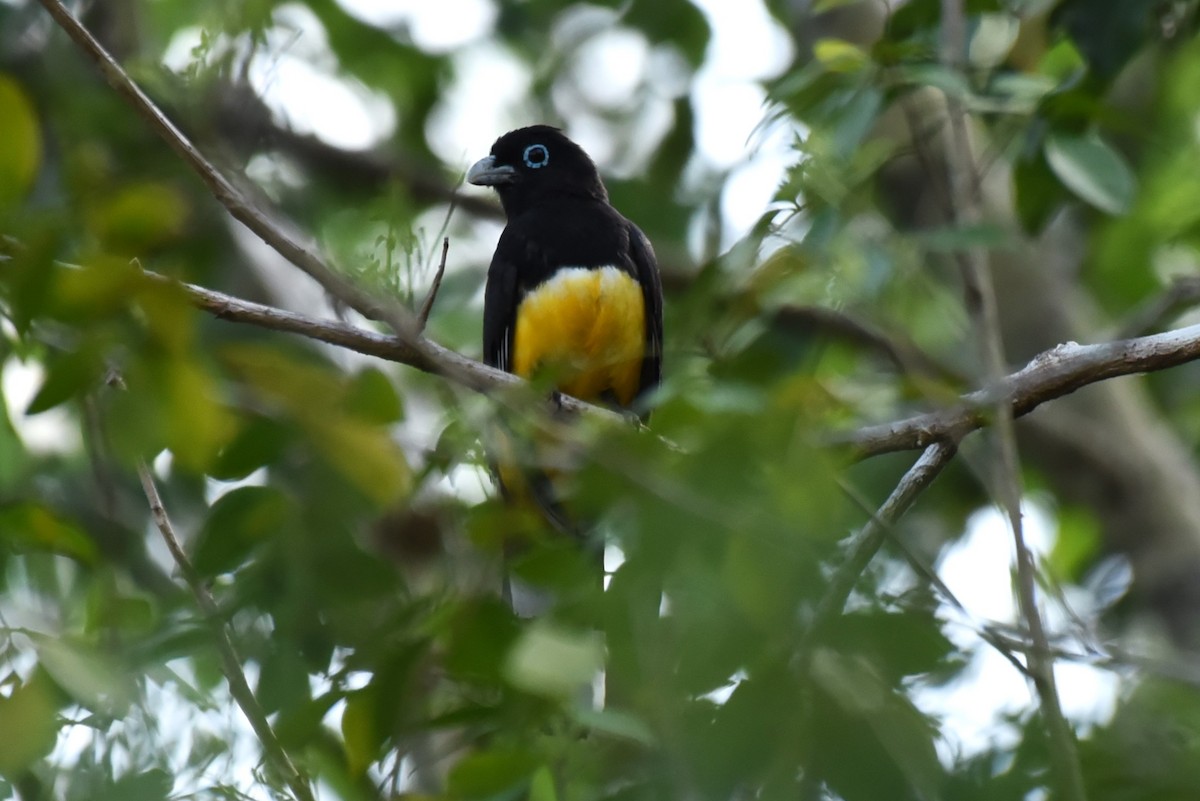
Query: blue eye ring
[536,157]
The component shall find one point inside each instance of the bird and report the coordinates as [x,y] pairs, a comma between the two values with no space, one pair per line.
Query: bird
[573,290]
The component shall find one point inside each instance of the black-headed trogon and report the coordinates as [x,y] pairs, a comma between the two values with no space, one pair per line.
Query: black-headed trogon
[573,288]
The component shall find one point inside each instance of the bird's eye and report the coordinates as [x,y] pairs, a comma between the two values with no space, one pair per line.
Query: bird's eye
[536,157]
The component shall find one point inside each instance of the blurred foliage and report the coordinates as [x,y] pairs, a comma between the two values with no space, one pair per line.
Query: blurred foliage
[339,508]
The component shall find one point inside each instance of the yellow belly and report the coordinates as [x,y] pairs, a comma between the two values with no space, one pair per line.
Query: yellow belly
[586,327]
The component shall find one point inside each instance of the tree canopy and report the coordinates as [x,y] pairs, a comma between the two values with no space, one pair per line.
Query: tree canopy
[249,542]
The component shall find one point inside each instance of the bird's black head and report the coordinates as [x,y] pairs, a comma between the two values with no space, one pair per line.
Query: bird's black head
[535,164]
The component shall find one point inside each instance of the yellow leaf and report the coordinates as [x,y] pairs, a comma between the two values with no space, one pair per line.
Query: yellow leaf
[365,454]
[360,731]
[198,424]
[838,55]
[21,153]
[139,217]
[28,725]
[362,451]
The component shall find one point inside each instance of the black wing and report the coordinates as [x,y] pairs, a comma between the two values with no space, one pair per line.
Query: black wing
[499,310]
[646,272]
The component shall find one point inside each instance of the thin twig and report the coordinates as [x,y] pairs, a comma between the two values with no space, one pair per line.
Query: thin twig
[926,572]
[904,355]
[231,663]
[427,306]
[965,203]
[860,551]
[864,545]
[1182,293]
[98,458]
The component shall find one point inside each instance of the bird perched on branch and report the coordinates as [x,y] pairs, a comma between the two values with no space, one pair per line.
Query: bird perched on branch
[573,291]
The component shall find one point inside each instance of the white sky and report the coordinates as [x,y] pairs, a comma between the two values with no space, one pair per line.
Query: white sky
[297,74]
[979,570]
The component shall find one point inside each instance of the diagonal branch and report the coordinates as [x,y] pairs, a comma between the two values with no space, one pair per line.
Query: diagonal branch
[427,306]
[292,245]
[430,357]
[1049,375]
[304,254]
[864,545]
[231,663]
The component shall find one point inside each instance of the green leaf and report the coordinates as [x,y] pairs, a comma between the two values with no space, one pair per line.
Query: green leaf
[1013,93]
[1039,195]
[139,217]
[364,453]
[541,786]
[14,460]
[111,612]
[260,442]
[198,424]
[21,153]
[554,662]
[559,566]
[239,521]
[950,81]
[822,6]
[615,723]
[28,724]
[482,632]
[91,676]
[900,728]
[371,397]
[1077,543]
[94,290]
[898,644]
[283,680]
[152,785]
[854,119]
[28,525]
[68,375]
[299,725]
[850,682]
[908,737]
[1062,61]
[838,55]
[992,39]
[490,773]
[1093,170]
[958,238]
[362,735]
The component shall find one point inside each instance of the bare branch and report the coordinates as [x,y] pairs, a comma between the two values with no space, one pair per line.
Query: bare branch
[231,663]
[427,306]
[927,573]
[429,357]
[1049,375]
[864,545]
